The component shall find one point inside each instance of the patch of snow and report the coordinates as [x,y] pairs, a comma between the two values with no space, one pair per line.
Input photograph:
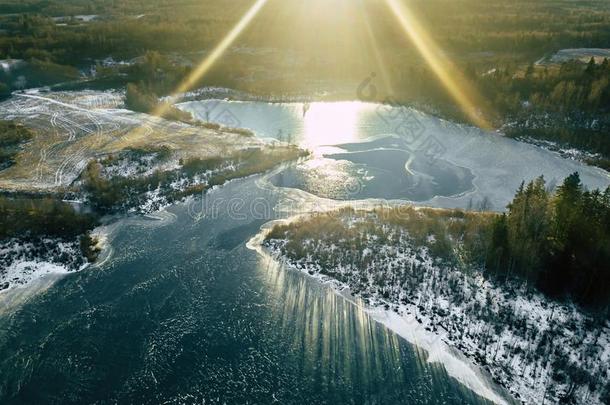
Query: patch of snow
[81,18]
[9,64]
[21,263]
[524,342]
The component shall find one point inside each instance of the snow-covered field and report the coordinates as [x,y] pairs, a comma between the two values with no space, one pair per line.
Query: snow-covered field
[72,128]
[538,349]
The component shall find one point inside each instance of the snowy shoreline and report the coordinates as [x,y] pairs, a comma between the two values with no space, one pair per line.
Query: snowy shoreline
[23,262]
[507,361]
[455,363]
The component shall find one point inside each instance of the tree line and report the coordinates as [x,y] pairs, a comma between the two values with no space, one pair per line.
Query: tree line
[557,241]
[34,217]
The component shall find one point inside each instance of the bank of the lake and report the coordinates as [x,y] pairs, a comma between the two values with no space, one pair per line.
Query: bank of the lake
[413,270]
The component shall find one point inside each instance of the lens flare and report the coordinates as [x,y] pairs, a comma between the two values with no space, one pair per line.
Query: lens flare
[374,45]
[204,66]
[451,78]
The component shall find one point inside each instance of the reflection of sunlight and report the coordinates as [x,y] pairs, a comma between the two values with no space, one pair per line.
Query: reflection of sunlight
[336,337]
[331,123]
[330,178]
[330,334]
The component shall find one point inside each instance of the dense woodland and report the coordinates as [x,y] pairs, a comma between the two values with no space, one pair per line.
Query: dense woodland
[567,104]
[46,216]
[566,88]
[559,241]
[31,220]
[493,44]
[516,29]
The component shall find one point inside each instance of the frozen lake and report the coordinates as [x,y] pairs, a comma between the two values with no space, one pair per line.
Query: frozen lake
[363,150]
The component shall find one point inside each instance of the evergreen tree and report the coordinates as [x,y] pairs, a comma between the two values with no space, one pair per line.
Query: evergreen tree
[560,242]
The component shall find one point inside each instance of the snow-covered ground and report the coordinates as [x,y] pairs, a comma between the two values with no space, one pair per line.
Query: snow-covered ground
[581,54]
[23,262]
[566,153]
[85,18]
[133,166]
[538,349]
[72,128]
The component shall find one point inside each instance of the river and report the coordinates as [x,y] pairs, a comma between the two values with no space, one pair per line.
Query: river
[182,311]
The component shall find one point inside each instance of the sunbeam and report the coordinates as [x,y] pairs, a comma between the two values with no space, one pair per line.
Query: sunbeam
[204,66]
[455,83]
[374,45]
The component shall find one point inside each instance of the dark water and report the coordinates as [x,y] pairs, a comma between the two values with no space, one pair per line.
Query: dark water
[185,313]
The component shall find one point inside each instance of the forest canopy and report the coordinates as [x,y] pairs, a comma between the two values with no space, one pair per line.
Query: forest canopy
[27,217]
[559,241]
[496,45]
